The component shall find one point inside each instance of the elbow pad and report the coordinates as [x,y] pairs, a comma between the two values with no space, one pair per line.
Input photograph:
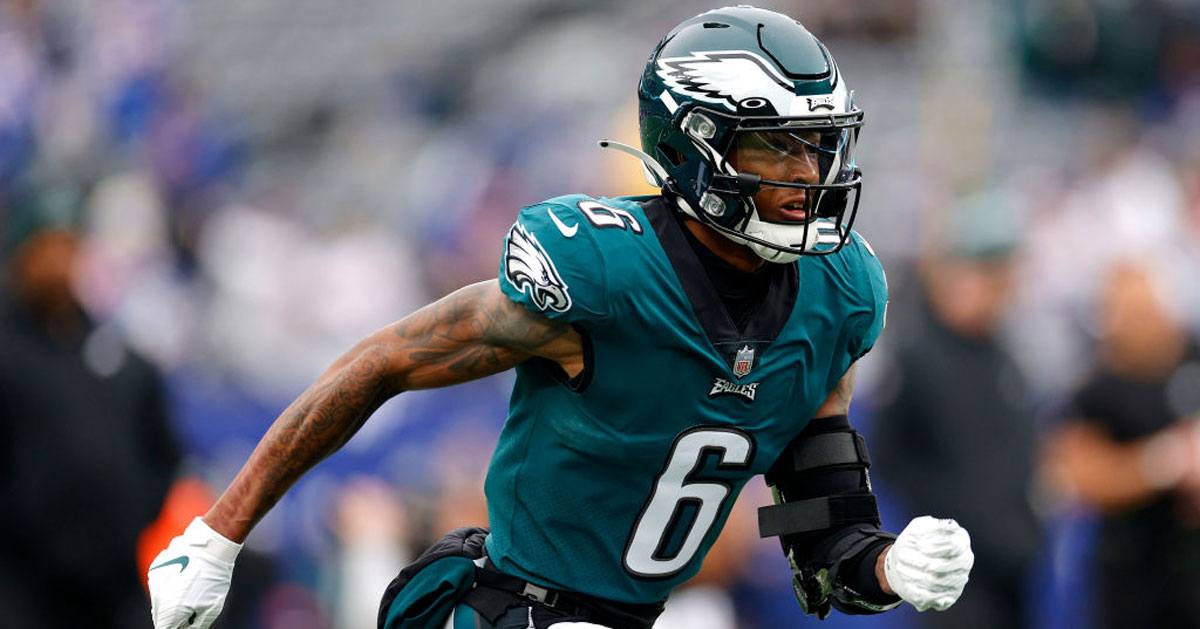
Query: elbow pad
[827,520]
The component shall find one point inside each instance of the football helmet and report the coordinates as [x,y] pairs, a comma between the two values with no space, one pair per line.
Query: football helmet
[742,78]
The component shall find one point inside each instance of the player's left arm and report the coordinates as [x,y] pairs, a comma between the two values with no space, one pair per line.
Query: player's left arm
[828,522]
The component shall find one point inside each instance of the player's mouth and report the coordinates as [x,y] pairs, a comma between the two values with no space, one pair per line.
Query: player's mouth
[794,210]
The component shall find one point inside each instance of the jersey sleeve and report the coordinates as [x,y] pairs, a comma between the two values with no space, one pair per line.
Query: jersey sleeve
[870,323]
[552,265]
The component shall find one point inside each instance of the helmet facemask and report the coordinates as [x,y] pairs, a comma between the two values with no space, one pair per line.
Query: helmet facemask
[806,163]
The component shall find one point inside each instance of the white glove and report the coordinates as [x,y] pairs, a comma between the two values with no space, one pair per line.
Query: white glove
[190,578]
[929,564]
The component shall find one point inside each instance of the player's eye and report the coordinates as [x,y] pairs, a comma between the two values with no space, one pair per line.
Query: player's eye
[793,143]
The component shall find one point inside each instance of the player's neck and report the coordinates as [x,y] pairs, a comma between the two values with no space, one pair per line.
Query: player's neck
[738,256]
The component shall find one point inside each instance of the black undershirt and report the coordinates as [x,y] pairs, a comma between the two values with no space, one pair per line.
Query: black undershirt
[741,292]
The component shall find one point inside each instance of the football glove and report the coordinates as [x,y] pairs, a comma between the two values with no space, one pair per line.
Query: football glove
[929,563]
[190,578]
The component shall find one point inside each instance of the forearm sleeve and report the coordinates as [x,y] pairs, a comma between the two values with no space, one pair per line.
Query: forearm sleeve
[827,520]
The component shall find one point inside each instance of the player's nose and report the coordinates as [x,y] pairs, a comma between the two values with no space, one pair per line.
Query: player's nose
[802,168]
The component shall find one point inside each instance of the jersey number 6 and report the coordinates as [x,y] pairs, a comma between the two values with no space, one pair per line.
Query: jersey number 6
[648,552]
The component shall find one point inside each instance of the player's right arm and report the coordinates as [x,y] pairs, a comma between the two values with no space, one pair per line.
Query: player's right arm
[474,332]
[471,333]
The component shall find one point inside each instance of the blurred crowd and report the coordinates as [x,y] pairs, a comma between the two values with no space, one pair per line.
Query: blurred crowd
[203,203]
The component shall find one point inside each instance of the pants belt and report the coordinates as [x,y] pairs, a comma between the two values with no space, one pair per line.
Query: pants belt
[611,613]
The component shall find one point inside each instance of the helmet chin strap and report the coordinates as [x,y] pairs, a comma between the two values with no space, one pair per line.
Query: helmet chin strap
[795,236]
[772,232]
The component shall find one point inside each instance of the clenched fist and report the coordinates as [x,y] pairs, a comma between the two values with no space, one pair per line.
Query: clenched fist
[930,562]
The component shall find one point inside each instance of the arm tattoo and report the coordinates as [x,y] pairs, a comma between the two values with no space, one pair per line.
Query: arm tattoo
[323,418]
[472,333]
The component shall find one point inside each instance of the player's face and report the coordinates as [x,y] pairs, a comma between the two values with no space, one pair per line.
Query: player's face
[791,156]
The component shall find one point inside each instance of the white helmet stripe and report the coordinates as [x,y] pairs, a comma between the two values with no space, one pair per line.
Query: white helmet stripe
[669,101]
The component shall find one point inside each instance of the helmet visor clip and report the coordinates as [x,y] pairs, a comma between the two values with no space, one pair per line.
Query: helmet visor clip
[700,126]
[712,205]
[748,184]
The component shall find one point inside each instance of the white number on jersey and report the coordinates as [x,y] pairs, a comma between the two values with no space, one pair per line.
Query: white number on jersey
[672,492]
[604,216]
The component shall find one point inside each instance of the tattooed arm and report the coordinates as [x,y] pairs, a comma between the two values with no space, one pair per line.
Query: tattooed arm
[469,334]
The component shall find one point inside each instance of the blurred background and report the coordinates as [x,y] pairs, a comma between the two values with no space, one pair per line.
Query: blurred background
[203,203]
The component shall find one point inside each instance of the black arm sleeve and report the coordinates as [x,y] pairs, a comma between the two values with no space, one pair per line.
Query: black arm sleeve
[827,520]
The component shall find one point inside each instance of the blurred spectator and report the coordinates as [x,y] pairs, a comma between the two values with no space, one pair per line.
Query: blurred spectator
[85,446]
[371,526]
[954,435]
[1128,201]
[1130,448]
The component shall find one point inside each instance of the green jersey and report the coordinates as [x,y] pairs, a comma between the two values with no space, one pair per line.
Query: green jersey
[616,483]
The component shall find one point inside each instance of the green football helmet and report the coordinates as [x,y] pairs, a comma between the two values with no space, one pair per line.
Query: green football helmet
[742,76]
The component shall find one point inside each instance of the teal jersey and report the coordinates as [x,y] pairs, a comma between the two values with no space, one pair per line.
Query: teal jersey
[616,483]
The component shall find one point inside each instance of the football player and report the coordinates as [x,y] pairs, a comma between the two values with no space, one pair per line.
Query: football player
[667,348]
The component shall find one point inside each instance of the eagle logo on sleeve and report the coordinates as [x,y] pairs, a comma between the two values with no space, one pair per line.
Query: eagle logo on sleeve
[529,269]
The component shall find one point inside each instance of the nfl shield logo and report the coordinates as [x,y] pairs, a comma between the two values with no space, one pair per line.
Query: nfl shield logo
[743,362]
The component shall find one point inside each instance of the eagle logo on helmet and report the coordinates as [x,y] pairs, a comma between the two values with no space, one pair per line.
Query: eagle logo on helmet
[733,78]
[529,268]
